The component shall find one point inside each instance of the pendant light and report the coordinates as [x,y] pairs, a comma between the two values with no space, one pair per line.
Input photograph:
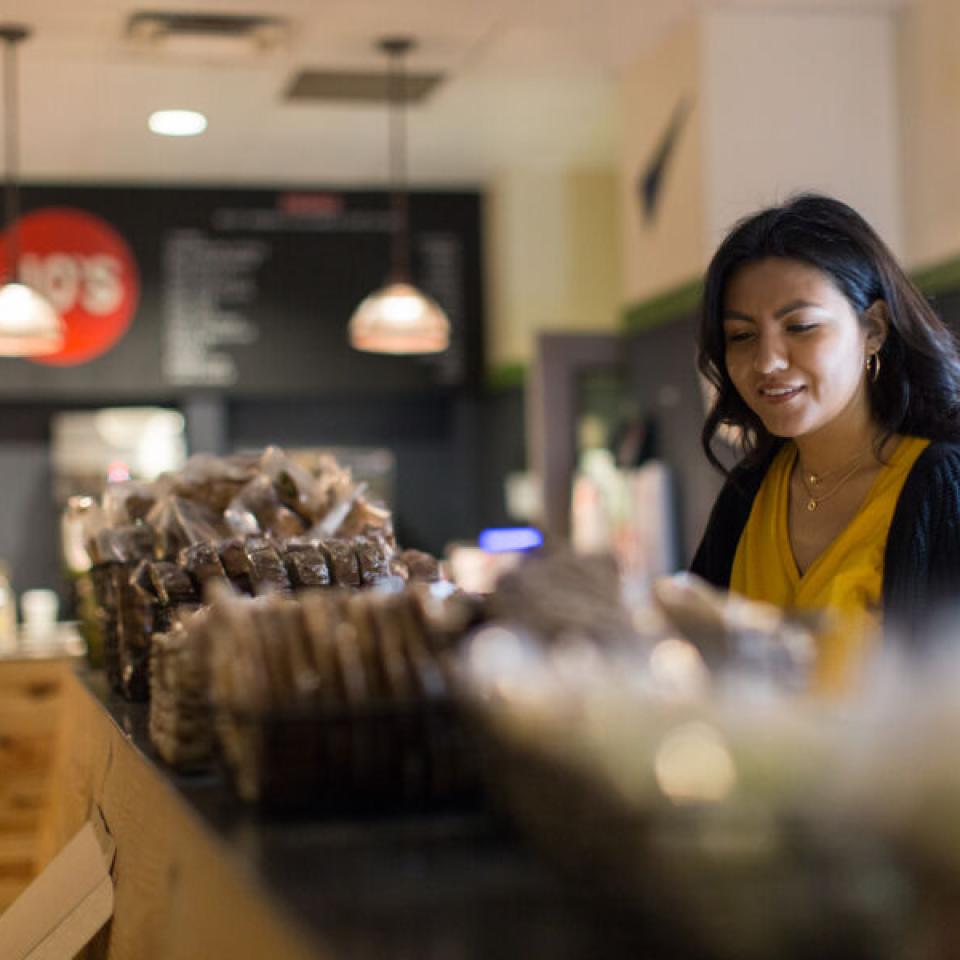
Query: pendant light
[399,318]
[29,325]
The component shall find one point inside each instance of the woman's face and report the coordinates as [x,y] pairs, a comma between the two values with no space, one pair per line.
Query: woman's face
[795,348]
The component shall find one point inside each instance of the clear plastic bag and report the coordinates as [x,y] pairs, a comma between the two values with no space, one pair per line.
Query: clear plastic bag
[257,508]
[294,484]
[214,481]
[127,502]
[178,522]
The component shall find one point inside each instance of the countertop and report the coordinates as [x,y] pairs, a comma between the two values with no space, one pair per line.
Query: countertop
[440,887]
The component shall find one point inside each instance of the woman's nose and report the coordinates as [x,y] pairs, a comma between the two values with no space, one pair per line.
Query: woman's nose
[770,354]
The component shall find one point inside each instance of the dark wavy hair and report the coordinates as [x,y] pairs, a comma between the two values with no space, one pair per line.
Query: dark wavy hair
[918,389]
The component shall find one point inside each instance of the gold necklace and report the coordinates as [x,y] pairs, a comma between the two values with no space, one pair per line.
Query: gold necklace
[814,501]
[815,479]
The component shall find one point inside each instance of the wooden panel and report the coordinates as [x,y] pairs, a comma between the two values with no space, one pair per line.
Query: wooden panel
[31,708]
[12,886]
[179,893]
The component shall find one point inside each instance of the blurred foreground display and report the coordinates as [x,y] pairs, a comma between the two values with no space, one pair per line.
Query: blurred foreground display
[683,766]
[674,753]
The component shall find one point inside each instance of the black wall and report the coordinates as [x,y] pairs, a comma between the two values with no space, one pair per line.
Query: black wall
[297,383]
[452,454]
[243,292]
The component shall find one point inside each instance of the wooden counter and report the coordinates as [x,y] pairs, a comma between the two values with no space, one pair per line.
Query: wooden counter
[199,876]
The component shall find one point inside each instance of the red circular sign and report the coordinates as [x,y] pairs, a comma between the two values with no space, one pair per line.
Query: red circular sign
[86,270]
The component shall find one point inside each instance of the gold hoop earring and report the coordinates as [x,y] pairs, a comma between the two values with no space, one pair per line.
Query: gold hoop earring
[873,367]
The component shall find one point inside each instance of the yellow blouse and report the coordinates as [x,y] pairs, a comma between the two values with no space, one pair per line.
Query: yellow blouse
[847,578]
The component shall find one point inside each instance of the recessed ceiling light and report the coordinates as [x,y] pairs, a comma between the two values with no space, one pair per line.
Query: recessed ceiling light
[177,123]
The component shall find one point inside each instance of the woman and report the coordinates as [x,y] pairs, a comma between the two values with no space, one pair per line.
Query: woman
[846,388]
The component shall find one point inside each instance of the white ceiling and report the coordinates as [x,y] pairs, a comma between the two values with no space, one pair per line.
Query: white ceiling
[527,81]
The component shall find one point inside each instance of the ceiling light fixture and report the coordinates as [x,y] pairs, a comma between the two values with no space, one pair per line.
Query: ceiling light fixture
[29,325]
[399,318]
[177,123]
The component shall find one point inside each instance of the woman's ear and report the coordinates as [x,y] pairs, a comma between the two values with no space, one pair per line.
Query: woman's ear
[877,320]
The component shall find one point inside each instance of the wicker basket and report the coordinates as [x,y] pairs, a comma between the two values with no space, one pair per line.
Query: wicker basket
[384,758]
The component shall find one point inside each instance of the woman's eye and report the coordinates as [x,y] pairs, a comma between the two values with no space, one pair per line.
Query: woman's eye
[738,336]
[801,327]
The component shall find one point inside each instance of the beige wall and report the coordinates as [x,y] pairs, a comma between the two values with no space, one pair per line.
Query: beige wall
[796,100]
[929,73]
[668,250]
[553,257]
[594,274]
[765,124]
[568,249]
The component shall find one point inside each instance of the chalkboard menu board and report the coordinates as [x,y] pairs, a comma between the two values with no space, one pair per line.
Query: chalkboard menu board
[249,292]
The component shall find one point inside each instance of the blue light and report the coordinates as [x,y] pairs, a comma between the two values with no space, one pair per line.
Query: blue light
[510,539]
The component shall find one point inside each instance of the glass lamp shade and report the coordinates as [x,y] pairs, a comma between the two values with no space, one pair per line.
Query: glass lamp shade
[399,319]
[29,325]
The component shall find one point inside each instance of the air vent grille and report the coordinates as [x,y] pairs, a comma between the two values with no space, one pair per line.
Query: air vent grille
[158,27]
[356,86]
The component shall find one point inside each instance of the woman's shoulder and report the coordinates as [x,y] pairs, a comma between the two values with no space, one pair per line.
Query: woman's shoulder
[939,458]
[922,557]
[934,476]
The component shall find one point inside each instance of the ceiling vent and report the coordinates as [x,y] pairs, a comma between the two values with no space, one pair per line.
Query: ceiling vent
[359,86]
[206,35]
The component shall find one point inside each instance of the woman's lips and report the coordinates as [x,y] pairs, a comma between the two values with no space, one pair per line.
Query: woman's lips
[779,394]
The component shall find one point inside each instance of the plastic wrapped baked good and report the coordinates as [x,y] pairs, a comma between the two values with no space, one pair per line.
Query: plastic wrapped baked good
[202,563]
[128,502]
[214,481]
[373,558]
[171,584]
[258,508]
[135,627]
[560,594]
[178,523]
[295,486]
[267,572]
[125,544]
[181,722]
[416,565]
[334,701]
[236,564]
[342,561]
[253,520]
[366,519]
[306,565]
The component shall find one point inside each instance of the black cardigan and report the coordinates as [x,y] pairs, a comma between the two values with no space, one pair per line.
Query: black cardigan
[921,563]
